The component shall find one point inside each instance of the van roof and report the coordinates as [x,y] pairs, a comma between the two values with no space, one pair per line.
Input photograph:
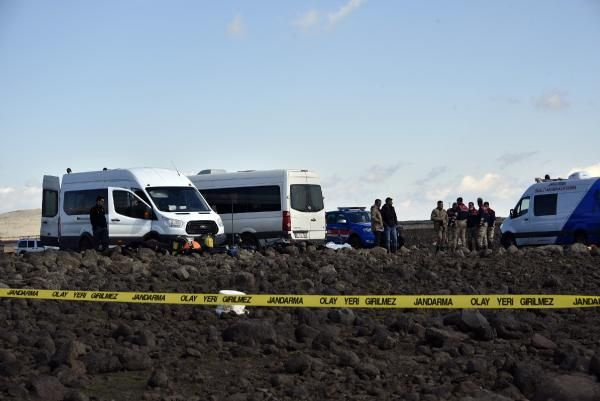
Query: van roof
[561,185]
[275,173]
[145,176]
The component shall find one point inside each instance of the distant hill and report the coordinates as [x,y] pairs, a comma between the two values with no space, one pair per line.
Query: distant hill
[20,223]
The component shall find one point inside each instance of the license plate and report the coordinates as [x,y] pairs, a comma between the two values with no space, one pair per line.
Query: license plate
[301,235]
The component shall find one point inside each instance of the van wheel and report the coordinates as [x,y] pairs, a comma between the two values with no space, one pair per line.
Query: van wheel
[85,243]
[580,237]
[249,240]
[507,240]
[355,241]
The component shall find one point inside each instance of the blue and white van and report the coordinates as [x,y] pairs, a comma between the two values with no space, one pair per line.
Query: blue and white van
[556,211]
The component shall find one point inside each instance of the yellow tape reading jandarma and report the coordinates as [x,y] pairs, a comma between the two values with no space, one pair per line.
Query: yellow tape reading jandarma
[501,301]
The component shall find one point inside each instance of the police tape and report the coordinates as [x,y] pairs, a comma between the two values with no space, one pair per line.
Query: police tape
[501,301]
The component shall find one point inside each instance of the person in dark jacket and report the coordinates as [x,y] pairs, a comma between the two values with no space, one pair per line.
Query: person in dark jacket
[390,223]
[473,227]
[491,222]
[99,226]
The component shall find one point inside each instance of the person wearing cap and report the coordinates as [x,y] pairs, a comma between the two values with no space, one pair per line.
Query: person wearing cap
[390,223]
[377,221]
[440,224]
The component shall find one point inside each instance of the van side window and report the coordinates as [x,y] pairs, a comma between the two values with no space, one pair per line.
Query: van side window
[244,199]
[522,207]
[330,218]
[306,197]
[30,244]
[22,244]
[141,194]
[545,205]
[127,205]
[80,202]
[49,203]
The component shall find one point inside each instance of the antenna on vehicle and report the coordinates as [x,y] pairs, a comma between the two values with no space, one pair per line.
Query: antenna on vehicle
[175,167]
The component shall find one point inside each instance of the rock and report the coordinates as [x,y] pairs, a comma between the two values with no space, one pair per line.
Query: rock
[527,377]
[471,320]
[250,333]
[76,395]
[48,388]
[101,362]
[327,270]
[182,273]
[68,353]
[291,250]
[343,316]
[437,337]
[578,249]
[158,378]
[245,281]
[348,358]
[324,341]
[508,327]
[135,360]
[512,250]
[145,338]
[298,364]
[123,330]
[383,339]
[568,388]
[305,333]
[594,250]
[7,356]
[367,371]
[282,380]
[476,366]
[541,342]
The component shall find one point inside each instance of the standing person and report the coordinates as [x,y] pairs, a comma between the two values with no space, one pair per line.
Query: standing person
[460,232]
[99,226]
[482,241]
[451,223]
[390,222]
[377,222]
[440,224]
[491,222]
[473,221]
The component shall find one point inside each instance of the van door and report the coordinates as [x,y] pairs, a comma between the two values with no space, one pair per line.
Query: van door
[129,217]
[49,229]
[306,211]
[520,221]
[543,226]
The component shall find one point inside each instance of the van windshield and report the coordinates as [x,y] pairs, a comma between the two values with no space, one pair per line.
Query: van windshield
[306,198]
[177,199]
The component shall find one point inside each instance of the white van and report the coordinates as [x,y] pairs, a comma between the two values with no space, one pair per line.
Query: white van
[559,211]
[268,206]
[141,204]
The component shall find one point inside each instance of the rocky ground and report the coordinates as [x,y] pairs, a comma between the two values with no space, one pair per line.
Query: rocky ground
[52,350]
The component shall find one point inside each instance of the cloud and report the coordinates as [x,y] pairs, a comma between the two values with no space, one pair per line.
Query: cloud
[308,21]
[554,101]
[506,99]
[379,173]
[491,185]
[514,157]
[593,170]
[433,173]
[343,11]
[13,198]
[236,28]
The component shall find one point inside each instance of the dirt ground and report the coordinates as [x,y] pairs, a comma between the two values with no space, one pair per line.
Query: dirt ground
[52,350]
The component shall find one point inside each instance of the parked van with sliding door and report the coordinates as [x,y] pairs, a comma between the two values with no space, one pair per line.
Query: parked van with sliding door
[141,204]
[559,211]
[268,206]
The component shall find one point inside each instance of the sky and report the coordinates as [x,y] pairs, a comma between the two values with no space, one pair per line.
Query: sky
[416,100]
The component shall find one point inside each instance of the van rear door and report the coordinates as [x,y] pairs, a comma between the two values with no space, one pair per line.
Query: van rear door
[306,208]
[129,217]
[49,229]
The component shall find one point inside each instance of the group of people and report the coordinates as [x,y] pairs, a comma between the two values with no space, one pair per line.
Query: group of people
[384,225]
[472,227]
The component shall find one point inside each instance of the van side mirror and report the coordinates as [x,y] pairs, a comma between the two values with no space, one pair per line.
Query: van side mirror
[512,213]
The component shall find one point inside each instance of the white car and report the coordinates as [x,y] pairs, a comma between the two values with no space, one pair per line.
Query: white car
[26,245]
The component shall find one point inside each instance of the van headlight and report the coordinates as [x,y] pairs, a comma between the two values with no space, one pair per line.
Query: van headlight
[367,229]
[219,222]
[173,223]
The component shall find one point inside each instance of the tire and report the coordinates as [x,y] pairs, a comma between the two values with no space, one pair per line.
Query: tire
[580,237]
[85,243]
[249,240]
[355,241]
[507,240]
